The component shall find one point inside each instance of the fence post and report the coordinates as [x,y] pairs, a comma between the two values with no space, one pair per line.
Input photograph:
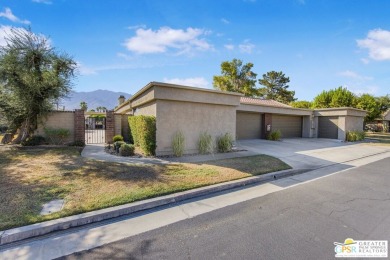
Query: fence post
[79,125]
[110,126]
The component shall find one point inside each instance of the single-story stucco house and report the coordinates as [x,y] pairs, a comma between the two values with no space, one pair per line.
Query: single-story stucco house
[196,110]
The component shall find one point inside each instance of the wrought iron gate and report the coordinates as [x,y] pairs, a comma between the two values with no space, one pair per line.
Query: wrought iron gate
[95,130]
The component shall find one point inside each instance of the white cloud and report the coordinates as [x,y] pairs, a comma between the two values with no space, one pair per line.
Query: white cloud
[137,26]
[223,20]
[354,75]
[229,47]
[246,47]
[10,16]
[378,44]
[47,2]
[373,90]
[84,70]
[192,82]
[159,41]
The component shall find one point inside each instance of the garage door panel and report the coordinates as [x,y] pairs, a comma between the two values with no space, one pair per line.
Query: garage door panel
[248,125]
[328,127]
[290,126]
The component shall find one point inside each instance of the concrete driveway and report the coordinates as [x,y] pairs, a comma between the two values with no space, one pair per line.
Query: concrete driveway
[312,153]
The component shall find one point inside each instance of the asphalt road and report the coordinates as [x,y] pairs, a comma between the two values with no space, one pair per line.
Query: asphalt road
[301,222]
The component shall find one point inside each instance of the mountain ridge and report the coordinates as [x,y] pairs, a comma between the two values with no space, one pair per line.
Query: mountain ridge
[94,99]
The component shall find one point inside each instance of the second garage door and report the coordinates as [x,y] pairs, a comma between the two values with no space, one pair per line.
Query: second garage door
[290,126]
[248,125]
[328,127]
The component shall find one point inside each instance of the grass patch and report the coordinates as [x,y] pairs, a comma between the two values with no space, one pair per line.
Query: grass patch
[379,137]
[30,177]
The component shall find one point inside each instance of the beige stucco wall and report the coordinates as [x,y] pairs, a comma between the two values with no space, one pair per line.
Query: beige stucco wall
[118,124]
[148,109]
[191,119]
[125,127]
[354,123]
[57,119]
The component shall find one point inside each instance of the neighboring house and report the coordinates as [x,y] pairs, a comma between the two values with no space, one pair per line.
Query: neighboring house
[195,110]
[381,124]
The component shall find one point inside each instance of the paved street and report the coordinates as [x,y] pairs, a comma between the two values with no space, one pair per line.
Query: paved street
[300,222]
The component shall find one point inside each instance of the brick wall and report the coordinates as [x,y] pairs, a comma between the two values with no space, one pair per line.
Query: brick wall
[110,126]
[79,125]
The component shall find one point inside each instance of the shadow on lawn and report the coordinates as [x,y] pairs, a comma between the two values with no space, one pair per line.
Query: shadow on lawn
[21,196]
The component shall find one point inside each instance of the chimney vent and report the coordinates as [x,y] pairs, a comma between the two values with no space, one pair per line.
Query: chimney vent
[121,99]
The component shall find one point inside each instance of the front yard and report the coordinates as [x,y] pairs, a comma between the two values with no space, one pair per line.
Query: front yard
[378,137]
[30,177]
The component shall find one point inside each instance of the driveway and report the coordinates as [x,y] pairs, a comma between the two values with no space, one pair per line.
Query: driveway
[312,153]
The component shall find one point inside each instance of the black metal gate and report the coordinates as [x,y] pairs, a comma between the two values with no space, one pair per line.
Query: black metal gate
[95,130]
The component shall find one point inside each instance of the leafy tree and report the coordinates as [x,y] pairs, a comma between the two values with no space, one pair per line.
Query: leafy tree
[339,97]
[32,76]
[301,104]
[369,103]
[83,105]
[276,87]
[384,103]
[236,77]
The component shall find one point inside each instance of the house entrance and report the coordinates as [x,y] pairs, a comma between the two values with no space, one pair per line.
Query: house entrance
[95,130]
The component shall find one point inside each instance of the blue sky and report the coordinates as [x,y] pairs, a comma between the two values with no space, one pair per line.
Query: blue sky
[122,45]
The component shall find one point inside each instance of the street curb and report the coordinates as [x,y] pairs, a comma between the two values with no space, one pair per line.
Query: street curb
[43,228]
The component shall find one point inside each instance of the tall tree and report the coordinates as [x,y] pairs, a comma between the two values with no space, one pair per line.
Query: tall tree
[32,76]
[236,77]
[384,103]
[83,105]
[276,87]
[301,104]
[339,97]
[369,103]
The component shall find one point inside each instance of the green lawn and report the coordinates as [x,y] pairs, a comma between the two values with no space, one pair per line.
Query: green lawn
[30,177]
[378,137]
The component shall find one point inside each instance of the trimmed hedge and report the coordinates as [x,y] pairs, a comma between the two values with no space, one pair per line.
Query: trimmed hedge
[126,150]
[143,131]
[117,138]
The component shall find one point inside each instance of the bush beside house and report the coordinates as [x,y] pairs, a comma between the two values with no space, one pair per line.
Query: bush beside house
[143,131]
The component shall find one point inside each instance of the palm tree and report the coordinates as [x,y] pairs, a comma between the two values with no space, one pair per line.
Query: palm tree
[83,105]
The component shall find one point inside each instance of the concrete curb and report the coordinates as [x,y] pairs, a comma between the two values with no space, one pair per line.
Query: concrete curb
[38,229]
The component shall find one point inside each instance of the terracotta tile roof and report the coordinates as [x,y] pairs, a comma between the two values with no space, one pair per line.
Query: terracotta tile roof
[263,102]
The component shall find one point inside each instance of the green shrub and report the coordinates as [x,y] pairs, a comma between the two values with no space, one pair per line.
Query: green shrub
[118,145]
[117,138]
[126,150]
[34,140]
[178,144]
[205,143]
[57,135]
[143,131]
[133,130]
[78,143]
[274,135]
[353,136]
[225,143]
